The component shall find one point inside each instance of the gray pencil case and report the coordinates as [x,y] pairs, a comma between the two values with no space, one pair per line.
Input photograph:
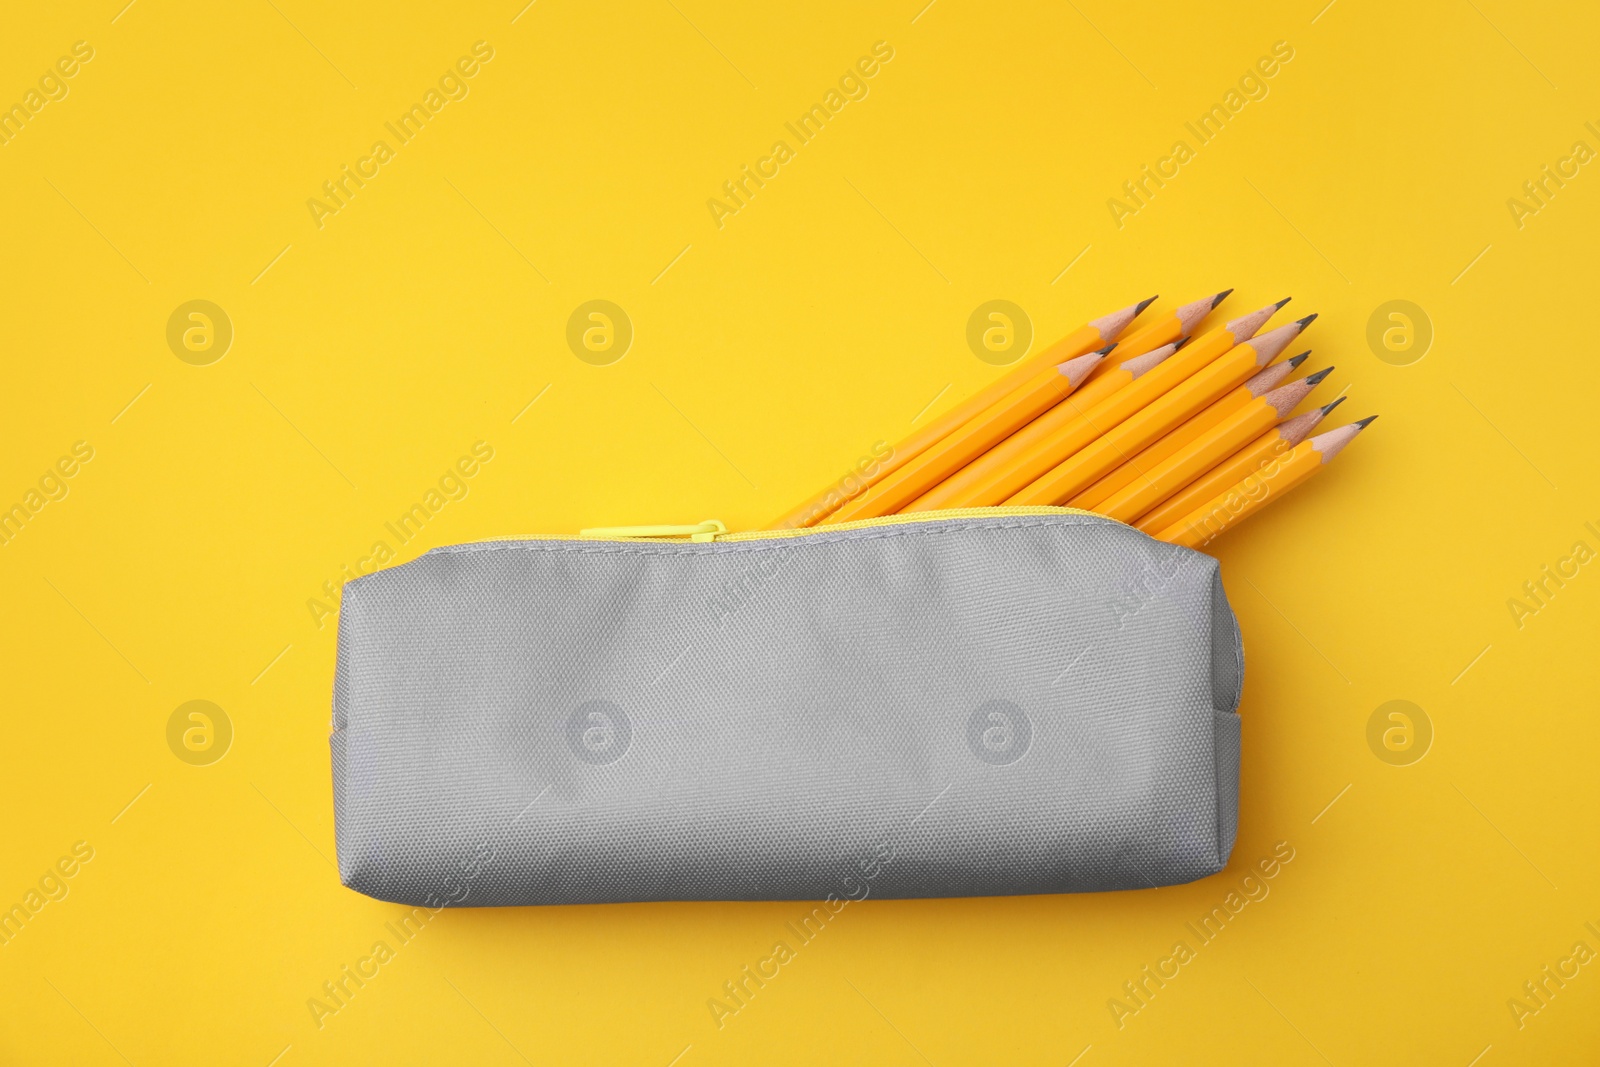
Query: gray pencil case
[964,703]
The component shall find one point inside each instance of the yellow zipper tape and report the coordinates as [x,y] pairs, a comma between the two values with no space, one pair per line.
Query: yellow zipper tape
[705,530]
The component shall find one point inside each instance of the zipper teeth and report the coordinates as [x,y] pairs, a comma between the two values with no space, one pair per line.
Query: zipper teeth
[858,524]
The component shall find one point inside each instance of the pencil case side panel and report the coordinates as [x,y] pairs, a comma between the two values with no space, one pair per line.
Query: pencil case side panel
[962,707]
[1227,663]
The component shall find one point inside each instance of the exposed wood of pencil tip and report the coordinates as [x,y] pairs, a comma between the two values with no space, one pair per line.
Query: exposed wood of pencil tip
[1076,370]
[1110,326]
[1333,442]
[1245,326]
[1140,365]
[1190,314]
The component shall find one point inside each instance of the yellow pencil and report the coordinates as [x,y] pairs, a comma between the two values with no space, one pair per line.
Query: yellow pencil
[1103,382]
[1175,326]
[1209,449]
[1264,382]
[1101,403]
[1005,416]
[1276,442]
[986,480]
[1254,492]
[1086,338]
[1162,414]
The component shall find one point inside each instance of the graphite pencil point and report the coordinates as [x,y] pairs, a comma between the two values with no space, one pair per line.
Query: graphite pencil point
[1307,321]
[1295,361]
[1316,379]
[1282,302]
[1141,305]
[1106,350]
[1333,404]
[1220,297]
[1364,423]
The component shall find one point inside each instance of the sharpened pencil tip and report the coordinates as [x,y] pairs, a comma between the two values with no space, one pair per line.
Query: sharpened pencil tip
[1316,379]
[1282,302]
[1326,408]
[1106,351]
[1364,423]
[1180,342]
[1220,297]
[1295,361]
[1307,321]
[1141,305]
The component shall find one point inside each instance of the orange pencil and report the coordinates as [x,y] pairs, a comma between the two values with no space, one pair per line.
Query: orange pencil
[1085,338]
[1005,416]
[1165,330]
[1209,449]
[1101,403]
[1256,491]
[983,481]
[1252,457]
[1186,398]
[1264,382]
[1105,380]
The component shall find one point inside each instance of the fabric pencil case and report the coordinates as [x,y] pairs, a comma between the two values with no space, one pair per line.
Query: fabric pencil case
[982,702]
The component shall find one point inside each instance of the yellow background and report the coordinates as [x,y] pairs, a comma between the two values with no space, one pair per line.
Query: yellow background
[769,355]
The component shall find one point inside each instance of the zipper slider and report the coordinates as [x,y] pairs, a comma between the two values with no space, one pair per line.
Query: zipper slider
[700,531]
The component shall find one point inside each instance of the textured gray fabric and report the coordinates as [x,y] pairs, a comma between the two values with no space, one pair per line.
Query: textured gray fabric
[957,707]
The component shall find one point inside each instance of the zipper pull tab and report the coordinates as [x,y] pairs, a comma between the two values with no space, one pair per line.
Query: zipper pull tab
[700,531]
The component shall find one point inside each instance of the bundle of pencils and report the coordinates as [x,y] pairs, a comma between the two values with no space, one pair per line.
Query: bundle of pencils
[1183,436]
